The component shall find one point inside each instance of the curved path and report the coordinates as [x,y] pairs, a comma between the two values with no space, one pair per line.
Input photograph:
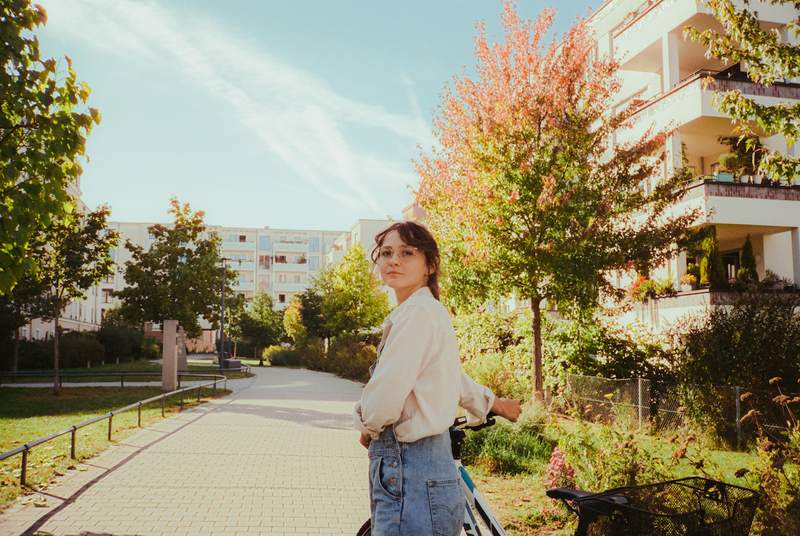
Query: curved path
[278,456]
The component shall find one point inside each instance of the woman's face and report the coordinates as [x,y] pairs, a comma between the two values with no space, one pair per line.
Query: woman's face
[402,266]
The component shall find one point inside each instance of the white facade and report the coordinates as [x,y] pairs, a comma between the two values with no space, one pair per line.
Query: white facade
[664,73]
[278,262]
[79,315]
[362,232]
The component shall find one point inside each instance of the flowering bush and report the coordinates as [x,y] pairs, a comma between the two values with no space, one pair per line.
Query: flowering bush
[560,473]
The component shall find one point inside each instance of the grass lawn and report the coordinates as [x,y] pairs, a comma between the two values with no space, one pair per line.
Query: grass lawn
[29,413]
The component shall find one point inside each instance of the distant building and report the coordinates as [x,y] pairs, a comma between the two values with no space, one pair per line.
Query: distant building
[79,315]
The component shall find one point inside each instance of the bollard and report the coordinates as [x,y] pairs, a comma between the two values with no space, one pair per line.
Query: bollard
[163,398]
[110,418]
[181,400]
[121,380]
[72,443]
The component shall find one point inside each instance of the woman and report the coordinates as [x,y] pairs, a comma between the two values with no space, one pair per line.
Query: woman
[413,396]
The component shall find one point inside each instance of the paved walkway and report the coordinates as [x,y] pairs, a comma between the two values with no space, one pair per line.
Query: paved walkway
[278,456]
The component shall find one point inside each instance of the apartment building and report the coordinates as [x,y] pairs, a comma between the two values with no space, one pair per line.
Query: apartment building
[79,315]
[362,232]
[278,262]
[663,73]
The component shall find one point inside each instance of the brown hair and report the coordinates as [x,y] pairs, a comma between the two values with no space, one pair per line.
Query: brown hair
[421,238]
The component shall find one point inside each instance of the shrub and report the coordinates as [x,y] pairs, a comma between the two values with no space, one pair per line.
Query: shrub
[151,348]
[604,457]
[749,272]
[78,349]
[35,355]
[280,356]
[120,342]
[350,357]
[746,344]
[507,449]
[777,471]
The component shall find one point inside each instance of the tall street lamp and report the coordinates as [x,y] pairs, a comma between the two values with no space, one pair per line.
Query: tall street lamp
[222,314]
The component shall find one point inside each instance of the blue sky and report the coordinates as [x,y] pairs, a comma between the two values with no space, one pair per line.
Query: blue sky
[301,114]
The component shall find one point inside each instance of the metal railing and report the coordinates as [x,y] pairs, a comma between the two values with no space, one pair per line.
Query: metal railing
[121,374]
[25,449]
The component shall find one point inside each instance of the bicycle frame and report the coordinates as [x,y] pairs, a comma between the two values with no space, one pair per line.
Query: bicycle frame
[476,502]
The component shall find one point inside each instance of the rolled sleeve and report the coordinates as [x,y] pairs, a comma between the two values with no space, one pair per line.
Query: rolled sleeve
[477,399]
[408,342]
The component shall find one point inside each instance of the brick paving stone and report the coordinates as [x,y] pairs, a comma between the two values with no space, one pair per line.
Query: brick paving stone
[278,456]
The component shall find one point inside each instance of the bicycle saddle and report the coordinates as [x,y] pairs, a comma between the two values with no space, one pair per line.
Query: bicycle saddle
[567,494]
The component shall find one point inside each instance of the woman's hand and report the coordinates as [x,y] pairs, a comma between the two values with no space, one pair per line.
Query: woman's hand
[365,440]
[508,408]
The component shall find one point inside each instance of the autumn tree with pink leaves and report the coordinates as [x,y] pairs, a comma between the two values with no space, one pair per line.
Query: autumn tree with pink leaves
[527,194]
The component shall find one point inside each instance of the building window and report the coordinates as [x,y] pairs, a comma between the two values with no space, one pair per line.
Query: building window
[298,278]
[110,279]
[280,259]
[107,295]
[313,262]
[313,244]
[264,242]
[281,298]
[281,278]
[264,261]
[242,238]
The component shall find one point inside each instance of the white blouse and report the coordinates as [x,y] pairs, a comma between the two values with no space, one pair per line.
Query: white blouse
[418,382]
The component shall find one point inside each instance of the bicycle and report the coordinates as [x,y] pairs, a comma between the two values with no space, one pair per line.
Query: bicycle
[474,501]
[691,506]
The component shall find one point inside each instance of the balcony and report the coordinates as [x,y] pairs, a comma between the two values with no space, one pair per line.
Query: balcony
[290,267]
[763,208]
[293,247]
[693,99]
[289,287]
[238,246]
[636,41]
[243,266]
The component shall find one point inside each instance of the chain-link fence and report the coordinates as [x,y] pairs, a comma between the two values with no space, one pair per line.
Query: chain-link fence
[640,402]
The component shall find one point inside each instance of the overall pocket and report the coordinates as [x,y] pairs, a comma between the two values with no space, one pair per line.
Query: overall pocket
[386,476]
[447,507]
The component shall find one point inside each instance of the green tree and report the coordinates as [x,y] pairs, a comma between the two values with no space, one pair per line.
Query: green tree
[18,307]
[179,277]
[527,194]
[748,271]
[121,339]
[76,256]
[311,306]
[261,325]
[351,297]
[42,136]
[770,58]
[234,314]
[293,322]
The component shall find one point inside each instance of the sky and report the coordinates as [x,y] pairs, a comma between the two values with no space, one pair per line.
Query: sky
[301,114]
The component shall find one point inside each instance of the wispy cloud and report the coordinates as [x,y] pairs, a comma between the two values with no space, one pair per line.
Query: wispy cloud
[294,113]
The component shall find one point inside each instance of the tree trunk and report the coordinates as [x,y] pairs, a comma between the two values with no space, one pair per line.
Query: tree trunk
[538,384]
[56,378]
[15,351]
[235,349]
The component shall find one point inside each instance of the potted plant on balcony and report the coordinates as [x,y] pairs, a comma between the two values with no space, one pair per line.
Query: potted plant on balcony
[729,164]
[688,282]
[744,158]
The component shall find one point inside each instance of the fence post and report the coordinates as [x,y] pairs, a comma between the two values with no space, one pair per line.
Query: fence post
[163,398]
[24,468]
[140,415]
[122,380]
[640,402]
[110,419]
[72,443]
[738,417]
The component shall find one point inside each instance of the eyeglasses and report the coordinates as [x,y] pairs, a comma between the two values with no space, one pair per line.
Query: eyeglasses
[404,253]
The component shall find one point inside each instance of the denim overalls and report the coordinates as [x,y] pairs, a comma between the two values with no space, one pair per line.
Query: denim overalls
[413,487]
